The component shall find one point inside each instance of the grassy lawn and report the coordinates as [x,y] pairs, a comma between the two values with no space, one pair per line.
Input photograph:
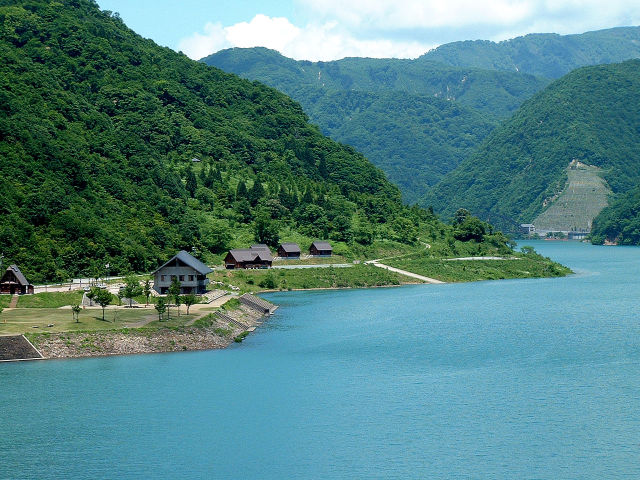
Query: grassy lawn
[279,279]
[474,270]
[23,320]
[4,300]
[50,299]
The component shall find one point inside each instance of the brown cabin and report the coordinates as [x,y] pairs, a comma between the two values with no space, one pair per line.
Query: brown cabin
[320,249]
[14,282]
[289,250]
[258,256]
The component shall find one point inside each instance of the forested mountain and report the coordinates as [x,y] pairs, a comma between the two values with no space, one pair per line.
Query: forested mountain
[591,115]
[620,222]
[418,119]
[415,120]
[117,151]
[543,54]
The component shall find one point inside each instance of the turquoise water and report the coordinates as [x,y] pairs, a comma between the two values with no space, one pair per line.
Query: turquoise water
[522,379]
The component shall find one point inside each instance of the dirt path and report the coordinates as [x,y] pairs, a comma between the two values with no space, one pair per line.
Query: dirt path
[405,273]
[14,302]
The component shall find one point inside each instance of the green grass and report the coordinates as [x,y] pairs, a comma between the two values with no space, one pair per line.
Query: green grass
[4,300]
[50,299]
[525,266]
[23,320]
[357,276]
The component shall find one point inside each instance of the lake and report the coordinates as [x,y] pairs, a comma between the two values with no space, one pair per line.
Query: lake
[515,379]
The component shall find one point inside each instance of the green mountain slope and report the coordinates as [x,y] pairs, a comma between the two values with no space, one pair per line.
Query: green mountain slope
[416,121]
[620,222]
[590,115]
[98,129]
[545,55]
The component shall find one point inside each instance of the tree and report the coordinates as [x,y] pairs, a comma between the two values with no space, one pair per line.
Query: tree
[102,297]
[146,290]
[266,230]
[75,309]
[132,289]
[189,300]
[161,307]
[471,228]
[191,182]
[460,216]
[174,291]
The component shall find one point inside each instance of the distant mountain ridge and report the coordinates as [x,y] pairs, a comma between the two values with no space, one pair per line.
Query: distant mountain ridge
[433,115]
[546,55]
[418,119]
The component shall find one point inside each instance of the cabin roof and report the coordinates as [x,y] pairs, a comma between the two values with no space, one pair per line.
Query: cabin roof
[22,280]
[321,245]
[250,255]
[290,247]
[189,260]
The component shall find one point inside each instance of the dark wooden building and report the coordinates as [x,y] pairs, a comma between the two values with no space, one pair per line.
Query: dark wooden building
[258,256]
[14,282]
[190,272]
[289,250]
[321,249]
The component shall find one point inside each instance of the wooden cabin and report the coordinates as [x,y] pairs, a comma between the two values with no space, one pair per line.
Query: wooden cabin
[13,282]
[320,249]
[289,250]
[190,272]
[249,258]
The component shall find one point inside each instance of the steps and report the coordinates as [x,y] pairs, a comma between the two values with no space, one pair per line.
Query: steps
[258,304]
[224,318]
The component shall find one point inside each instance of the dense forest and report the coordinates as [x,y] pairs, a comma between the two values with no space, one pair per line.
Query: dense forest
[117,151]
[590,115]
[415,120]
[620,221]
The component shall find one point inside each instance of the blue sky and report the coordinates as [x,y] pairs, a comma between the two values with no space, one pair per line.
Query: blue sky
[332,29]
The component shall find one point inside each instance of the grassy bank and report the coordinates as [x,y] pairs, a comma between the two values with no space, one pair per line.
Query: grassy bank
[356,276]
[515,266]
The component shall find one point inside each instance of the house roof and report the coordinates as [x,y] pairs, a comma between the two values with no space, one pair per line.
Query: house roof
[18,274]
[290,247]
[260,246]
[189,260]
[250,255]
[322,245]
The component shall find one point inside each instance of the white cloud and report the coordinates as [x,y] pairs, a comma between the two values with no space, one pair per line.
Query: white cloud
[326,41]
[424,14]
[407,28]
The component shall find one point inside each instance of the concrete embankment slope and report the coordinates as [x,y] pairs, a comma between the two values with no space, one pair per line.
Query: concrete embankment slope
[17,347]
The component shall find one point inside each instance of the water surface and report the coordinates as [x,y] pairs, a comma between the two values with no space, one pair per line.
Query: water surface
[526,379]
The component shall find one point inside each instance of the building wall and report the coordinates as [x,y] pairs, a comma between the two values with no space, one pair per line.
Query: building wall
[162,279]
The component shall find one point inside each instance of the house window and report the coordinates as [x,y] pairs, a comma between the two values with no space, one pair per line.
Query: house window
[191,278]
[173,277]
[182,278]
[163,278]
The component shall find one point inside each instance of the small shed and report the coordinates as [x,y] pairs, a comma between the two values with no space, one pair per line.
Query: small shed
[289,250]
[321,249]
[14,282]
[248,258]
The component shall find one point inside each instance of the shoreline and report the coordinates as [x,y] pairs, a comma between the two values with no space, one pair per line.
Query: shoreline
[216,331]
